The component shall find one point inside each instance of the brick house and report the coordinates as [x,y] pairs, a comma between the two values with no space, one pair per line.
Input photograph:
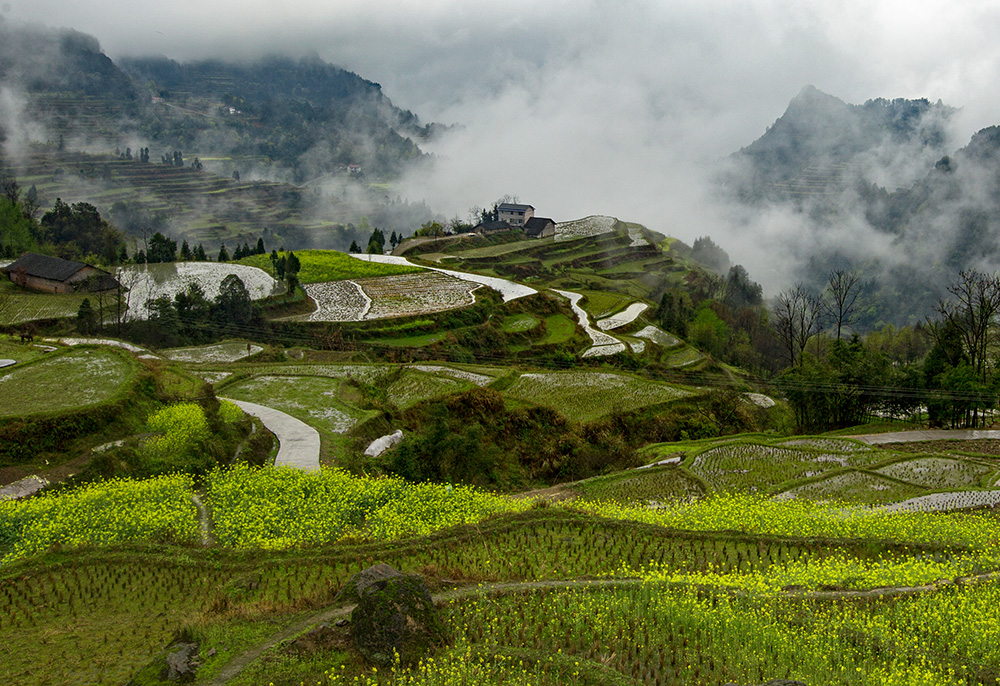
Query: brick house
[47,274]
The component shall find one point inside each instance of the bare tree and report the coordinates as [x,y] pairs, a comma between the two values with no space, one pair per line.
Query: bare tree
[974,305]
[842,292]
[127,278]
[796,320]
[475,214]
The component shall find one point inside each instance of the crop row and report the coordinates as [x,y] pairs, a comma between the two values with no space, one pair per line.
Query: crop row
[751,467]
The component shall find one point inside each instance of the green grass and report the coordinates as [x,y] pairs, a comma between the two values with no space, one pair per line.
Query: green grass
[558,329]
[11,348]
[72,380]
[319,266]
[599,304]
[314,400]
[685,357]
[502,249]
[413,387]
[418,341]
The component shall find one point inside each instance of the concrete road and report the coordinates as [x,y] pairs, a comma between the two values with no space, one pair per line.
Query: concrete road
[298,443]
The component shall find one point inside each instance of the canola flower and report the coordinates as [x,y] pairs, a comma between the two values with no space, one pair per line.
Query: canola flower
[183,427]
[281,507]
[839,572]
[758,514]
[99,514]
[465,665]
[229,412]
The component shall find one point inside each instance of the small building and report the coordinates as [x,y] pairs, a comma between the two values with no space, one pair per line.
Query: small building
[47,274]
[539,227]
[492,226]
[514,214]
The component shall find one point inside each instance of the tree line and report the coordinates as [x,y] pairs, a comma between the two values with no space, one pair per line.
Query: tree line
[803,343]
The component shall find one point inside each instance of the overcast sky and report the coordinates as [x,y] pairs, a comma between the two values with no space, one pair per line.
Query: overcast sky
[586,106]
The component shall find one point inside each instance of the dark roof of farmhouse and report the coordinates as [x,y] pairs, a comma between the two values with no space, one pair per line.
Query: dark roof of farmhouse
[46,266]
[512,207]
[537,223]
[493,226]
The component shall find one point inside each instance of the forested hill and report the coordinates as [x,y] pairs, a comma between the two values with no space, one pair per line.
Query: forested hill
[291,120]
[925,208]
[37,60]
[821,143]
[287,107]
[309,79]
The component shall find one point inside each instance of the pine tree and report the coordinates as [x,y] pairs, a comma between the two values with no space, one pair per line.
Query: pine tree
[86,318]
[223,254]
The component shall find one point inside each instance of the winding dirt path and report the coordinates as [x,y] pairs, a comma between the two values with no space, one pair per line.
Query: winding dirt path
[204,522]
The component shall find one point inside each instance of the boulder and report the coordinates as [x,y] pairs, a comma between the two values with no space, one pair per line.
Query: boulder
[181,662]
[395,615]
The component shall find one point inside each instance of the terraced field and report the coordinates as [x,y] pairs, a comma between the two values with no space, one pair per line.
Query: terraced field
[150,281]
[26,307]
[64,381]
[314,400]
[584,396]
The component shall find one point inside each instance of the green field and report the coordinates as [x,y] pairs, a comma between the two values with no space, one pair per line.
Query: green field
[313,399]
[558,329]
[583,396]
[319,266]
[66,381]
[24,306]
[519,322]
[118,607]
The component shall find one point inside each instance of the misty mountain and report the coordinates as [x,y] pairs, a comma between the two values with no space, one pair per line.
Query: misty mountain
[309,116]
[292,120]
[39,60]
[209,151]
[875,187]
[822,144]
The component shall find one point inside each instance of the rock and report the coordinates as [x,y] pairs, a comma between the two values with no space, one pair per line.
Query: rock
[181,662]
[380,445]
[365,578]
[395,615]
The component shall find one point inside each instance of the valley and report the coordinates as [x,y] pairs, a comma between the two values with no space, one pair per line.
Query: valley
[264,419]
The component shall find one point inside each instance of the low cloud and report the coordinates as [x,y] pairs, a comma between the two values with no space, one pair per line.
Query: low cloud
[617,108]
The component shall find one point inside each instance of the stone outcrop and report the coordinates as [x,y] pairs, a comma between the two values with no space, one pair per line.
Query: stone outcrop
[395,616]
